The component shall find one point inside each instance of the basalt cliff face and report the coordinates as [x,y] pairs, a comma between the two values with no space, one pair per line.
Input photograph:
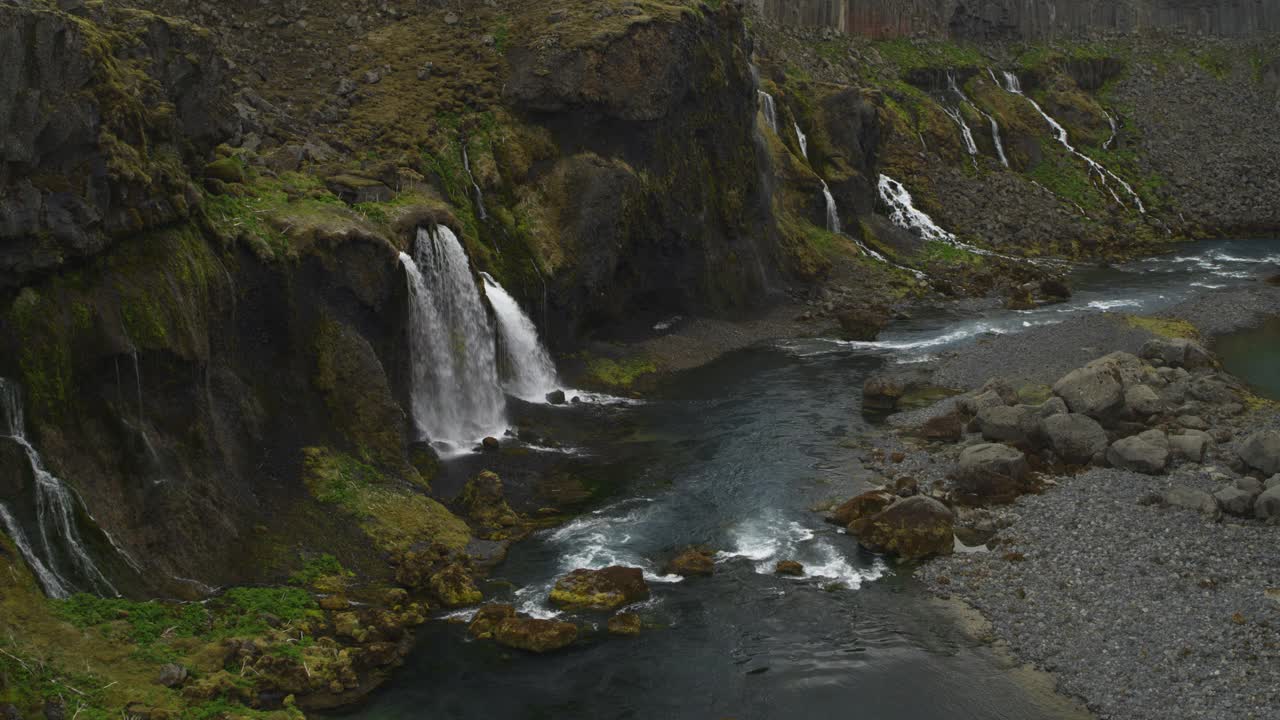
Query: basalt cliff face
[1008,20]
[204,304]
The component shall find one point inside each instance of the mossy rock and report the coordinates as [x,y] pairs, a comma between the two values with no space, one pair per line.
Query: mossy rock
[625,624]
[910,529]
[488,618]
[226,169]
[534,635]
[605,589]
[483,502]
[692,562]
[454,587]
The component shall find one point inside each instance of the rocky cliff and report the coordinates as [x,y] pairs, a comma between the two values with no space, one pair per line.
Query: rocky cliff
[1006,20]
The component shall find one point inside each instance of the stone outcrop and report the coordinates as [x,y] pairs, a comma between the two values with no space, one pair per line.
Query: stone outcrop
[605,589]
[911,529]
[990,472]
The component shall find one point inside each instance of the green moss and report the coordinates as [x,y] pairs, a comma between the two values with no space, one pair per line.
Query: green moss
[227,169]
[936,251]
[621,374]
[320,570]
[919,54]
[1165,327]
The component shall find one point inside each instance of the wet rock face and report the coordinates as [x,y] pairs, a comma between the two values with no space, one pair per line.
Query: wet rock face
[89,130]
[534,635]
[911,529]
[692,562]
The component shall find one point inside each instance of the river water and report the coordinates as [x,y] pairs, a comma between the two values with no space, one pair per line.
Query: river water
[733,456]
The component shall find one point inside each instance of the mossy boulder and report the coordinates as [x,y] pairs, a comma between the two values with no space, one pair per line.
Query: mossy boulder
[625,624]
[605,589]
[910,529]
[453,586]
[534,635]
[853,512]
[227,170]
[488,618]
[484,503]
[692,562]
[789,567]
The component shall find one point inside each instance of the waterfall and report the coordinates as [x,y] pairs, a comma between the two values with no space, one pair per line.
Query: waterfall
[769,109]
[1111,120]
[531,372]
[965,134]
[804,141]
[833,225]
[1013,86]
[60,544]
[995,138]
[475,187]
[833,214]
[904,214]
[454,374]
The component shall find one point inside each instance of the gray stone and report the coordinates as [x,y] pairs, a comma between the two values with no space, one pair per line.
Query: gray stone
[1272,482]
[1177,352]
[1191,499]
[1127,368]
[1250,485]
[1189,446]
[1142,400]
[172,675]
[1261,451]
[1234,501]
[1193,422]
[1092,391]
[1267,506]
[973,404]
[1006,423]
[1146,452]
[991,472]
[1075,438]
[1053,406]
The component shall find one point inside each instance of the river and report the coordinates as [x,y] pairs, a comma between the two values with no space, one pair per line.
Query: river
[734,456]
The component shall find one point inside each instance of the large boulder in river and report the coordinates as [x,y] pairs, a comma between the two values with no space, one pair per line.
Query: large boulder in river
[693,561]
[1009,423]
[1074,437]
[911,529]
[1177,352]
[853,512]
[488,618]
[605,589]
[484,503]
[1146,452]
[861,323]
[1261,451]
[534,635]
[991,472]
[1090,390]
[882,392]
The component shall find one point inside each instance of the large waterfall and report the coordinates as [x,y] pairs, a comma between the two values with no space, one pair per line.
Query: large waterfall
[59,553]
[1015,87]
[456,396]
[530,372]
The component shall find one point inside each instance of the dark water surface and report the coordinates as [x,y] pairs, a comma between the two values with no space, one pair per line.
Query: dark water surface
[1253,355]
[733,456]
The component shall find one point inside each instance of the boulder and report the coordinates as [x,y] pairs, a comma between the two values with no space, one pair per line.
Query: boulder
[1250,485]
[353,189]
[488,618]
[1191,499]
[1146,452]
[625,624]
[949,428]
[172,675]
[1193,422]
[914,528]
[882,392]
[1127,368]
[1074,437]
[862,323]
[1053,406]
[789,567]
[1008,423]
[1261,451]
[691,562]
[860,507]
[973,404]
[1177,352]
[490,444]
[484,503]
[1211,391]
[1267,505]
[1091,391]
[1234,501]
[605,589]
[534,635]
[1189,446]
[453,586]
[1272,482]
[555,397]
[1142,400]
[991,473]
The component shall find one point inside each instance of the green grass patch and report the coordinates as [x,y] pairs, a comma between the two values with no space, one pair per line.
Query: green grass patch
[1164,327]
[921,54]
[619,373]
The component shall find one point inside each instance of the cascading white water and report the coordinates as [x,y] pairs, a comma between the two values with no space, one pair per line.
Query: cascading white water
[1111,120]
[60,542]
[904,214]
[454,374]
[995,138]
[1014,86]
[833,213]
[804,141]
[965,133]
[833,225]
[531,373]
[475,187]
[769,109]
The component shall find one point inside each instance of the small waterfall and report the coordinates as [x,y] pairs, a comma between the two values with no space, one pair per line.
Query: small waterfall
[804,141]
[1111,120]
[475,187]
[833,225]
[769,109]
[454,378]
[531,372]
[965,133]
[833,213]
[904,214]
[60,545]
[1015,87]
[995,138]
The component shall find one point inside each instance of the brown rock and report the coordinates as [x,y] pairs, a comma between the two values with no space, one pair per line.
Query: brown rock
[483,502]
[488,618]
[789,567]
[624,624]
[605,589]
[914,528]
[534,635]
[949,427]
[862,506]
[691,562]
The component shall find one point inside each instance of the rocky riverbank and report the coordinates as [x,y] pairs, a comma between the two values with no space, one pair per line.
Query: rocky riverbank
[1117,511]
